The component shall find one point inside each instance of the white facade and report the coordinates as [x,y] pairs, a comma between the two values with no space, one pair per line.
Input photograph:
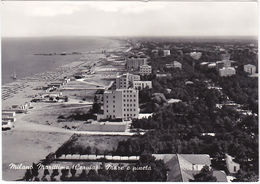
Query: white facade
[223,63]
[232,166]
[142,84]
[126,80]
[227,71]
[133,63]
[121,103]
[250,68]
[145,70]
[166,53]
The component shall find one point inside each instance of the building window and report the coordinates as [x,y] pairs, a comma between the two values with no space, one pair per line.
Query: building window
[113,106]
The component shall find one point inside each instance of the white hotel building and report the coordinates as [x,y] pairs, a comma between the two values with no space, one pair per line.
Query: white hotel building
[121,104]
[126,80]
[133,63]
[142,84]
[145,70]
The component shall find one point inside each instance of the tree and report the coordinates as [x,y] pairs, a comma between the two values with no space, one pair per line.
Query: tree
[205,175]
[28,175]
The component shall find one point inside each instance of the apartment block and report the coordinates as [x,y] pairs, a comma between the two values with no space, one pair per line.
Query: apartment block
[121,104]
[145,70]
[126,80]
[134,63]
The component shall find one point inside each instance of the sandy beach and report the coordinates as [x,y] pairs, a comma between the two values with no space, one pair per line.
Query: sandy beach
[38,132]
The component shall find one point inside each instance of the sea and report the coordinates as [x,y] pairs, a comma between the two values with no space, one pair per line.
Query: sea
[18,54]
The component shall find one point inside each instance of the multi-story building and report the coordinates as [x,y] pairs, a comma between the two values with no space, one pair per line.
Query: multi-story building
[121,104]
[134,63]
[145,70]
[250,68]
[126,80]
[227,71]
[166,53]
[142,84]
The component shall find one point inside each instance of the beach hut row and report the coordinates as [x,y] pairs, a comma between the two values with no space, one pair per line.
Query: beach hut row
[97,157]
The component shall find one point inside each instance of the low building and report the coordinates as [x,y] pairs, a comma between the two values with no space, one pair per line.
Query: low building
[222,64]
[7,125]
[8,118]
[142,84]
[232,166]
[227,71]
[183,167]
[166,53]
[251,69]
[50,94]
[145,70]
[161,75]
[9,113]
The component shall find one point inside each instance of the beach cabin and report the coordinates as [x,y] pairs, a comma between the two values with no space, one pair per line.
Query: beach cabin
[92,157]
[6,125]
[7,118]
[69,156]
[108,157]
[62,157]
[8,113]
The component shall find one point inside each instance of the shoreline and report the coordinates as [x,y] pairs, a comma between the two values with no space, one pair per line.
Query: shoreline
[25,138]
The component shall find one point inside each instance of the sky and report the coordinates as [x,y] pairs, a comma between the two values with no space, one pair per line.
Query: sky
[66,18]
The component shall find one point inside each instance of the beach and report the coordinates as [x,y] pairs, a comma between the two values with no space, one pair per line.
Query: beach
[38,132]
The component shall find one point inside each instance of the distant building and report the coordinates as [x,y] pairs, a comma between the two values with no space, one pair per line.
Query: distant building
[142,84]
[155,52]
[222,64]
[121,104]
[166,53]
[126,80]
[161,75]
[251,69]
[134,63]
[174,64]
[145,70]
[212,65]
[232,166]
[227,71]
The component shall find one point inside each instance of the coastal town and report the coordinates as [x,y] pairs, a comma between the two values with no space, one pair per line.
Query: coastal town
[148,110]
